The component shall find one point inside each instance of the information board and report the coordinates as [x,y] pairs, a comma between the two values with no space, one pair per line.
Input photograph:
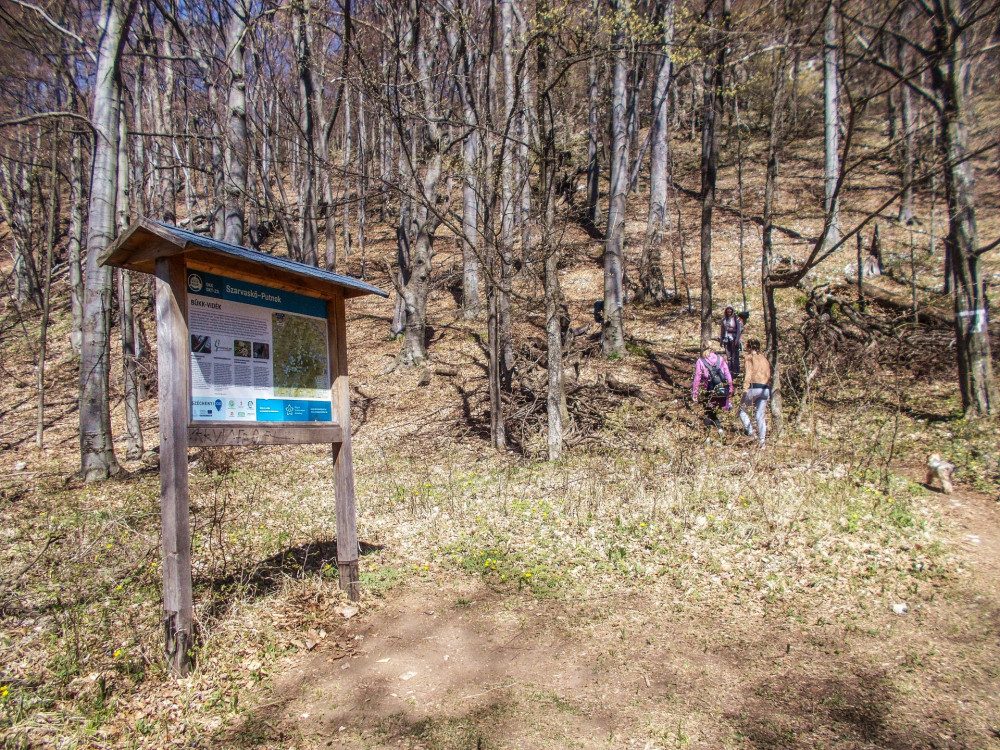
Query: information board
[257,354]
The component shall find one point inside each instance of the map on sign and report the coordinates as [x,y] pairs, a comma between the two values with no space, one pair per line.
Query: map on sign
[257,354]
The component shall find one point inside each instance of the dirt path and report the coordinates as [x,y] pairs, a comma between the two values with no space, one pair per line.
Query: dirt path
[453,664]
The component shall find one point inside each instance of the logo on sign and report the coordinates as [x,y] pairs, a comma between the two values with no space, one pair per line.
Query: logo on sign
[218,404]
[289,410]
[195,284]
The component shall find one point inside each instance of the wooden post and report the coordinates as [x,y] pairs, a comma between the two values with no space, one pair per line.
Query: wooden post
[343,461]
[172,344]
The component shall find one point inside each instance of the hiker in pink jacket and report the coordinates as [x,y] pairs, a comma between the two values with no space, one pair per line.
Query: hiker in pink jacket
[711,373]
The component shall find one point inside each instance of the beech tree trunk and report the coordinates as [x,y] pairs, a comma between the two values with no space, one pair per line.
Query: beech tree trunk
[465,62]
[236,125]
[165,124]
[97,450]
[650,274]
[426,221]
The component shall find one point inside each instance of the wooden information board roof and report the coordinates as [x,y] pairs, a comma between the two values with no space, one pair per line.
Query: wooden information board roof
[146,240]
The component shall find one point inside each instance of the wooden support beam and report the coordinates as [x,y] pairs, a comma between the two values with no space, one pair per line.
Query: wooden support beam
[172,344]
[343,460]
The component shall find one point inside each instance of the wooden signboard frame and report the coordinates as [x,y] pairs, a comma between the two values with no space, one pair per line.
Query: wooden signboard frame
[171,253]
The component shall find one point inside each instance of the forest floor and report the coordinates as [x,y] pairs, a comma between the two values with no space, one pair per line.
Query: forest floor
[659,587]
[450,662]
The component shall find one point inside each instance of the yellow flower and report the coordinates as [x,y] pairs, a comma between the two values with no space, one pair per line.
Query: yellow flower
[118,587]
[118,652]
[527,575]
[642,525]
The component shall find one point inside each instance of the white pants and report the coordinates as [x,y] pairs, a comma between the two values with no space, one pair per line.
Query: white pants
[755,398]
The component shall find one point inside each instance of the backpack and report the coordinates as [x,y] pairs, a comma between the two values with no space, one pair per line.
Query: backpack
[718,385]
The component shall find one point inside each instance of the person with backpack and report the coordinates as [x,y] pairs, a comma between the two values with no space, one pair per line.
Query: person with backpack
[756,391]
[730,334]
[712,374]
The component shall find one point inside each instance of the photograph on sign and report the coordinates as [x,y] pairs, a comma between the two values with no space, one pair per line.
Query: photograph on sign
[257,354]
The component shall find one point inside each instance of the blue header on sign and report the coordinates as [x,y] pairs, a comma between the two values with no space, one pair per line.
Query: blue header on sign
[233,290]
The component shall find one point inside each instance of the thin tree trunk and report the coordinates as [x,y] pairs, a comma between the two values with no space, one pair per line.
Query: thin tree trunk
[465,60]
[555,394]
[133,429]
[906,214]
[364,154]
[769,308]
[711,114]
[140,192]
[593,216]
[739,189]
[613,333]
[75,239]
[168,182]
[307,197]
[404,233]
[50,243]
[346,226]
[507,199]
[831,121]
[236,125]
[650,274]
